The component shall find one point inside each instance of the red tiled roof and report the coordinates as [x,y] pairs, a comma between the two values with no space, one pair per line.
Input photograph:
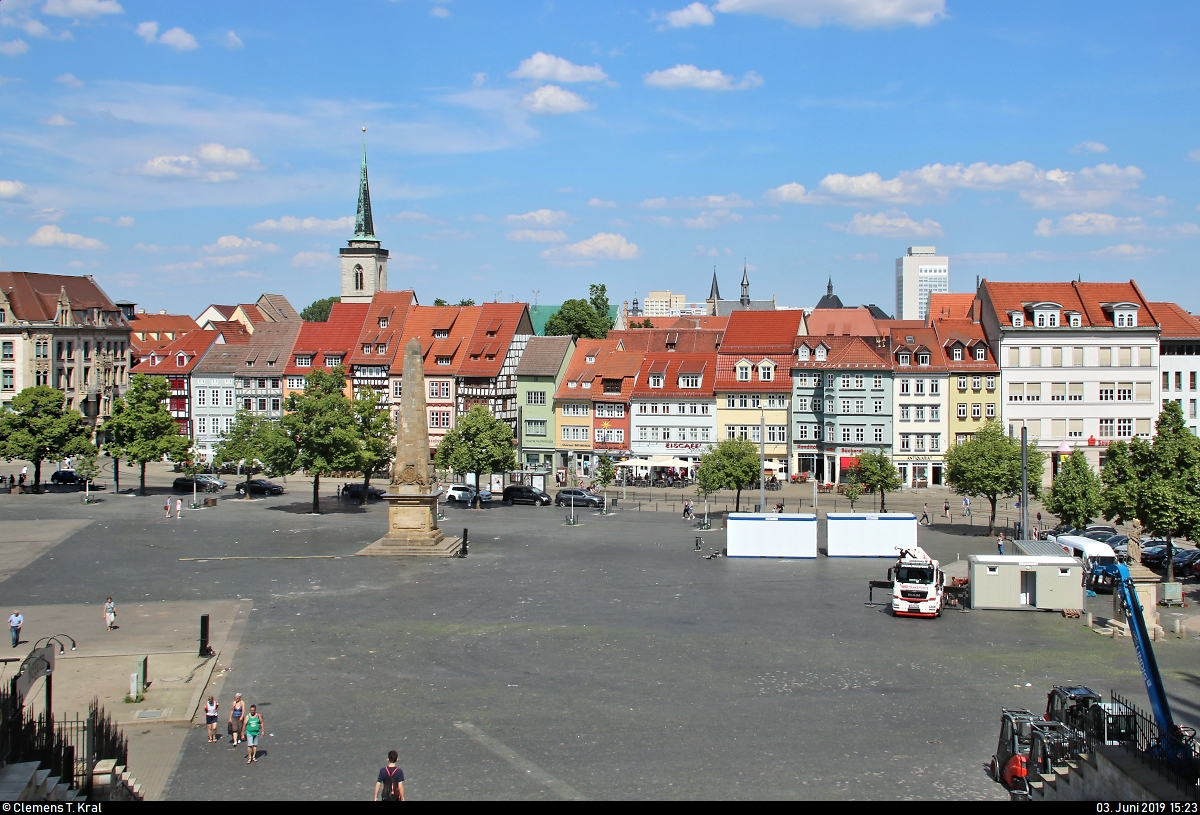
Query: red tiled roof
[34,296]
[394,306]
[683,340]
[970,335]
[727,380]
[767,331]
[943,305]
[422,321]
[251,311]
[498,324]
[1176,323]
[843,322]
[193,346]
[846,352]
[335,336]
[230,328]
[671,366]
[580,370]
[1085,298]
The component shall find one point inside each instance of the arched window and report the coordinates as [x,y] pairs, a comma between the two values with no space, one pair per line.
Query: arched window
[358,278]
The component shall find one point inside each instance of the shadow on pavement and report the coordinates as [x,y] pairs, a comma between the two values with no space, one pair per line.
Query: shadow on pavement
[329,506]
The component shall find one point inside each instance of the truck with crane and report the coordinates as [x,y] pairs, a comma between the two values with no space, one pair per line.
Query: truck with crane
[917,584]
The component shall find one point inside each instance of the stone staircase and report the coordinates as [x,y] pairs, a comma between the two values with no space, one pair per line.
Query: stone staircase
[26,781]
[1109,774]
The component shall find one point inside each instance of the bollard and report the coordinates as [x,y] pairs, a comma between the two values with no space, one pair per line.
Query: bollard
[462,552]
[205,649]
[134,690]
[699,542]
[1087,619]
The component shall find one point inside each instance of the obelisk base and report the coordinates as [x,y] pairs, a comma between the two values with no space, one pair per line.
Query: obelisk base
[413,530]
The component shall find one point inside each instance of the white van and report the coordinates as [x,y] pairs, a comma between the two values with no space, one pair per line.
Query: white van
[1092,551]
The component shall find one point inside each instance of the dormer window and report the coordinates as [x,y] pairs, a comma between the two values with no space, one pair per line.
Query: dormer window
[381,348]
[181,360]
[909,340]
[766,372]
[332,362]
[303,361]
[923,358]
[153,359]
[821,353]
[587,385]
[366,349]
[383,322]
[443,360]
[1018,320]
[590,360]
[441,333]
[956,354]
[1075,320]
[905,359]
[1126,319]
[689,381]
[803,353]
[980,354]
[491,333]
[743,373]
[571,384]
[656,380]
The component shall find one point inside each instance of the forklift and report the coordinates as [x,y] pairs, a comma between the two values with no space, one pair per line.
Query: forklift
[1010,764]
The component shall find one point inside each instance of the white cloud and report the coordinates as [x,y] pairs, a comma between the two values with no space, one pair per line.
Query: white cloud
[1194,155]
[227,156]
[11,189]
[220,176]
[82,8]
[597,202]
[50,215]
[549,68]
[439,10]
[310,259]
[233,41]
[1043,189]
[57,120]
[124,220]
[148,31]
[226,242]
[689,76]
[179,39]
[168,166]
[414,218]
[893,224]
[69,80]
[601,246]
[541,217]
[479,80]
[711,220]
[695,14]
[1125,250]
[551,100]
[538,235]
[1088,148]
[853,13]
[176,38]
[707,252]
[290,223]
[698,202]
[657,220]
[13,48]
[1101,223]
[50,236]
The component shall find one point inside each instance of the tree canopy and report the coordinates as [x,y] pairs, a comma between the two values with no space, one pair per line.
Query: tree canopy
[731,465]
[246,443]
[39,428]
[988,465]
[598,299]
[576,318]
[318,310]
[141,427]
[1075,494]
[876,472]
[479,443]
[1157,482]
[319,433]
[375,435]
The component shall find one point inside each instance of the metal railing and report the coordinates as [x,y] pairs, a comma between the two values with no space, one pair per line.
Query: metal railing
[1144,740]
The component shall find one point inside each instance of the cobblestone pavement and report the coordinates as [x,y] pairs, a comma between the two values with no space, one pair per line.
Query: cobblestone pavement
[604,660]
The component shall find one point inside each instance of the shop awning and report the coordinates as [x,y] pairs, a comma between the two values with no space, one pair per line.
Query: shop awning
[849,462]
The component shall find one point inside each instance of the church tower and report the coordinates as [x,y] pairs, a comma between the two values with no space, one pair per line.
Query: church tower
[364,261]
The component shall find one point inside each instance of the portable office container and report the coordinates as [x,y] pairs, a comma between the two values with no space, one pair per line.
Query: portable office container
[867,534]
[783,534]
[1026,582]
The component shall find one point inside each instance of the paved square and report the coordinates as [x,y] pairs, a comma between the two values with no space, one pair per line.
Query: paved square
[605,660]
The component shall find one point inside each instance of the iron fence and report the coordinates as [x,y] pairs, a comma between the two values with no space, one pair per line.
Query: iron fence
[1174,759]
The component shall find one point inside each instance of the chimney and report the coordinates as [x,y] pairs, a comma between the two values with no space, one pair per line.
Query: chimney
[976,310]
[141,311]
[162,311]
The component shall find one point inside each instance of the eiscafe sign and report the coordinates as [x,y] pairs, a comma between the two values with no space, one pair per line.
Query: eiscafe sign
[683,445]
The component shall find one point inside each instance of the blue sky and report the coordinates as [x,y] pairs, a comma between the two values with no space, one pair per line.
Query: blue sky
[185,153]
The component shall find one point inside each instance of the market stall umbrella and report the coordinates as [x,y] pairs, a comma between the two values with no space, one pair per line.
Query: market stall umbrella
[671,462]
[634,462]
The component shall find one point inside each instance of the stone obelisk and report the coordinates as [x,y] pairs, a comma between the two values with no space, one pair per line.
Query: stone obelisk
[412,501]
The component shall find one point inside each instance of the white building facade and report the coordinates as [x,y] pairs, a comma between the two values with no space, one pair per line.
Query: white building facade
[921,272]
[1179,360]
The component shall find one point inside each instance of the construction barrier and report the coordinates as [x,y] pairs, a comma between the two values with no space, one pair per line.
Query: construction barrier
[783,534]
[865,534]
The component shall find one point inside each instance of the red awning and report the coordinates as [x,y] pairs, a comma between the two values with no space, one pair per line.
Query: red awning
[849,462]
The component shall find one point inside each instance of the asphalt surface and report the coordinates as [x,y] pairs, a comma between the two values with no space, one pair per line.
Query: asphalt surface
[605,660]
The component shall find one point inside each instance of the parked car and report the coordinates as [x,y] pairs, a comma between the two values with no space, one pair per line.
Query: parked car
[66,477]
[1101,535]
[1107,528]
[1054,533]
[521,494]
[1154,556]
[1185,562]
[355,489]
[260,486]
[184,484]
[212,479]
[578,497]
[465,494]
[1120,545]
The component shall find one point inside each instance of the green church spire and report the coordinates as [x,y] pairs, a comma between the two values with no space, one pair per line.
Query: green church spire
[364,226]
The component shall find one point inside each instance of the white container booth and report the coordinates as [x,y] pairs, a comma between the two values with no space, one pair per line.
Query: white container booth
[868,534]
[1026,582]
[771,534]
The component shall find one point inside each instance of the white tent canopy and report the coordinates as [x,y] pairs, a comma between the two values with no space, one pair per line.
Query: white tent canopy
[657,461]
[634,462]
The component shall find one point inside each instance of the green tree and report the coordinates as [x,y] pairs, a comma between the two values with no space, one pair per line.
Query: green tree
[1075,494]
[598,299]
[731,465]
[142,429]
[376,436]
[319,434]
[466,301]
[40,428]
[575,318]
[318,311]
[479,443]
[440,302]
[85,462]
[988,465]
[1158,482]
[876,472]
[244,443]
[853,491]
[605,474]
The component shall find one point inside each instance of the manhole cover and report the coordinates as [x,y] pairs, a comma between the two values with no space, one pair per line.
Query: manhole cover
[149,714]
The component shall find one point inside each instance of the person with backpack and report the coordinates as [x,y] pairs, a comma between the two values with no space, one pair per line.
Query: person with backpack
[389,786]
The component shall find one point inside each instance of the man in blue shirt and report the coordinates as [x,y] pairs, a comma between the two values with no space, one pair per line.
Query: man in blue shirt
[14,626]
[389,786]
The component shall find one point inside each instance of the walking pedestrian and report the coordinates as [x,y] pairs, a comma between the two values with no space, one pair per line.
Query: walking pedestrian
[924,515]
[389,786]
[210,719]
[237,718]
[946,508]
[14,626]
[966,505]
[1000,544]
[1039,517]
[110,613]
[178,507]
[254,727]
[167,507]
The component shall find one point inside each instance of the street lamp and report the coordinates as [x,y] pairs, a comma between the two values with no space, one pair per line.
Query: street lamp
[762,460]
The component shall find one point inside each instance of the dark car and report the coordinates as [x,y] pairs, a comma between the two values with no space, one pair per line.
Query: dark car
[184,484]
[66,477]
[355,490]
[1154,556]
[1102,535]
[260,486]
[521,494]
[577,497]
[1185,562]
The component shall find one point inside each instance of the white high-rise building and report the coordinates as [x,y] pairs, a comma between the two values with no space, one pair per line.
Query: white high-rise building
[920,272]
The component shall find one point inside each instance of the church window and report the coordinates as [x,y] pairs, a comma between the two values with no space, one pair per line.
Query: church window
[358,278]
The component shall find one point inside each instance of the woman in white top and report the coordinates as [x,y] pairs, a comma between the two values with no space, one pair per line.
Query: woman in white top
[210,719]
